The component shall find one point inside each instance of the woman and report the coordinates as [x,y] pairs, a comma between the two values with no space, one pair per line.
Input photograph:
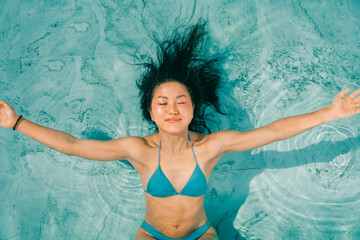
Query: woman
[175,163]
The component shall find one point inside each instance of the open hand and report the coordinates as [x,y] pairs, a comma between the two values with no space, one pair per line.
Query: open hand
[346,106]
[8,115]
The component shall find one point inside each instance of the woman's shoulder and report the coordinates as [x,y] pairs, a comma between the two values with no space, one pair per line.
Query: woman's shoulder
[208,147]
[151,141]
[206,140]
[136,147]
[197,138]
[209,141]
[146,141]
[202,138]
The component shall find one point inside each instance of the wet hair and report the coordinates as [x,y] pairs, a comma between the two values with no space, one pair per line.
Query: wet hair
[179,59]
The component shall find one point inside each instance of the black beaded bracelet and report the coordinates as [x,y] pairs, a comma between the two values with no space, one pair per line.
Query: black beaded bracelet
[17,122]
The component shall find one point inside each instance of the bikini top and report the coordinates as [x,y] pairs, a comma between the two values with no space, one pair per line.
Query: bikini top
[160,186]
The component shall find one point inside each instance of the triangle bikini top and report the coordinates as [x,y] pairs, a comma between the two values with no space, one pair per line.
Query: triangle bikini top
[160,186]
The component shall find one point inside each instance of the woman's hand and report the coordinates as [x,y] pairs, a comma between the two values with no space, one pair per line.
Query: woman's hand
[8,115]
[346,106]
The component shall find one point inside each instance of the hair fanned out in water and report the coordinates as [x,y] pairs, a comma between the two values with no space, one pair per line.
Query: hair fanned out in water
[178,59]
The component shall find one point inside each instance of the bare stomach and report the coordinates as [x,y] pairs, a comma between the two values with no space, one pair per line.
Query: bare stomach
[175,216]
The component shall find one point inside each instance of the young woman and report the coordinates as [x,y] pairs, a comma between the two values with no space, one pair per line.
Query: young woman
[175,163]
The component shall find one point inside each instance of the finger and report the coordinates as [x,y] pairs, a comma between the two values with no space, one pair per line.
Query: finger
[343,93]
[357,99]
[354,94]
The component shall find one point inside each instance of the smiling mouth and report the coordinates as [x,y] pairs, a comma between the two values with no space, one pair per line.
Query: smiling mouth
[172,120]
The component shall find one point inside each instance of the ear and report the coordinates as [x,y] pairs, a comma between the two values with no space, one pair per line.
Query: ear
[151,115]
[193,108]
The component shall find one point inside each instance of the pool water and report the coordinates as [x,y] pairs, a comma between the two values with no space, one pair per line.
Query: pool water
[67,65]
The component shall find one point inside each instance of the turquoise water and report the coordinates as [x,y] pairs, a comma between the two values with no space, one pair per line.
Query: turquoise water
[65,65]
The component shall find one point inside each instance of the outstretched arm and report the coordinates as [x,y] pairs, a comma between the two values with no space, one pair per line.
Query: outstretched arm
[91,149]
[235,141]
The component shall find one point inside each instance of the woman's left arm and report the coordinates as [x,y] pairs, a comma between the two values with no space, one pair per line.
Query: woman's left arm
[235,141]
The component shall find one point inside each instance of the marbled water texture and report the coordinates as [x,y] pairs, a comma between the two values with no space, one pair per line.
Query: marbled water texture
[68,65]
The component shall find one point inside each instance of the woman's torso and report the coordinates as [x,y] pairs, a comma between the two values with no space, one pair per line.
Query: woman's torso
[176,215]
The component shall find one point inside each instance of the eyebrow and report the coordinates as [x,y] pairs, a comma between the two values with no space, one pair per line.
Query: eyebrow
[180,96]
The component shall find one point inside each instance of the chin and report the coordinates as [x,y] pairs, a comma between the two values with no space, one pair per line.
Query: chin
[174,129]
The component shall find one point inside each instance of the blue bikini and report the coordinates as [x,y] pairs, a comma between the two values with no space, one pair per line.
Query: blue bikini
[160,186]
[158,235]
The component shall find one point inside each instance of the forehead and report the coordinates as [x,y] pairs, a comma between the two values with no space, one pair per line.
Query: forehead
[171,89]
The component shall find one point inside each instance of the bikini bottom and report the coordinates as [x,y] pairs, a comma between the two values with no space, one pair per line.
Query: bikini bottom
[192,236]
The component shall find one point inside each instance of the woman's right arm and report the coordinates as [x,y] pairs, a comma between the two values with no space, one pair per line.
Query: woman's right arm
[91,149]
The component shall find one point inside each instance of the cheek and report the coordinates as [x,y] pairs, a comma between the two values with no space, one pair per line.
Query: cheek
[155,112]
[188,110]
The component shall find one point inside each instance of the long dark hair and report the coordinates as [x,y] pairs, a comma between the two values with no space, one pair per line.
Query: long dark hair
[178,59]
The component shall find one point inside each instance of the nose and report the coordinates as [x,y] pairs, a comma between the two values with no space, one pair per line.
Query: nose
[173,109]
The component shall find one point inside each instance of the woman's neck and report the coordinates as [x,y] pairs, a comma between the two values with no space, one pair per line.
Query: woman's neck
[174,143]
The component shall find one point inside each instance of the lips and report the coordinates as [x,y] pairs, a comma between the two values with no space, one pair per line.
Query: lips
[172,120]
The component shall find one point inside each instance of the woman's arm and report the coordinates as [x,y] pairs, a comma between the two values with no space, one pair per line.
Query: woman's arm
[91,149]
[234,141]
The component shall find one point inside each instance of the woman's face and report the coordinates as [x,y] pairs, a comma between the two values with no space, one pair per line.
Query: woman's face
[171,107]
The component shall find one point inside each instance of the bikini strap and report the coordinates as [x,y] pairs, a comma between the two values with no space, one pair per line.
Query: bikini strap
[192,148]
[159,152]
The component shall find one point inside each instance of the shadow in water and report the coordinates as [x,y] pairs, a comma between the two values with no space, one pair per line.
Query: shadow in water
[223,206]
